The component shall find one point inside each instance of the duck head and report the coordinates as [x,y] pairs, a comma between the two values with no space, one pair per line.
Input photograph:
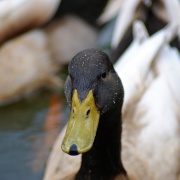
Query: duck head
[92,89]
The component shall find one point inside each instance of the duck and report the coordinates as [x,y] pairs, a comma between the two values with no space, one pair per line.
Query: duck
[155,14]
[97,137]
[67,35]
[94,128]
[140,120]
[146,65]
[20,16]
[56,43]
[25,66]
[163,11]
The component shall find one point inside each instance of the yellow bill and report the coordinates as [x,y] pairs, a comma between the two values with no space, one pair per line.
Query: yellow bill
[82,125]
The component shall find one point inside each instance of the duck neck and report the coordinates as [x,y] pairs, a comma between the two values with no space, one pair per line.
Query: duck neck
[104,160]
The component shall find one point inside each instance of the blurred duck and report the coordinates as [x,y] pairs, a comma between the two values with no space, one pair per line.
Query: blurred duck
[157,12]
[30,61]
[150,71]
[164,10]
[68,35]
[151,122]
[18,16]
[25,65]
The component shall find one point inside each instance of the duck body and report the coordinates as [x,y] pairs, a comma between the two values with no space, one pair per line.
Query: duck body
[102,160]
[151,125]
[25,65]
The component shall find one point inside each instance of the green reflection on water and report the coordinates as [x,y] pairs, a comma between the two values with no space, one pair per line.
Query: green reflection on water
[19,115]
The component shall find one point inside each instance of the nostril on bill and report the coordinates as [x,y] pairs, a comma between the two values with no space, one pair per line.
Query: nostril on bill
[73,150]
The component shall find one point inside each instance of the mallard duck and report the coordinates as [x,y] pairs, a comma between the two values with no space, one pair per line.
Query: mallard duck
[95,103]
[94,128]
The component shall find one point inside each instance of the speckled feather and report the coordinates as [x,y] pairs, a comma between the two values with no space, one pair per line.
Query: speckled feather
[80,69]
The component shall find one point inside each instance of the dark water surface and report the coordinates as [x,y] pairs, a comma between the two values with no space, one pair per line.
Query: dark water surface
[28,129]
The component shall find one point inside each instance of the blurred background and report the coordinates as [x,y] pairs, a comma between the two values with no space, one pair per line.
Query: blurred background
[37,41]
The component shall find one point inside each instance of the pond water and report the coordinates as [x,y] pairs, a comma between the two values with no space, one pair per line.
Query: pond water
[28,129]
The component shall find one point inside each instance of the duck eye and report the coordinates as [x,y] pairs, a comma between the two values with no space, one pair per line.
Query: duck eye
[103,75]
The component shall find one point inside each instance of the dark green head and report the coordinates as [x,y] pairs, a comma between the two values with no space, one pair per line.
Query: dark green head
[92,69]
